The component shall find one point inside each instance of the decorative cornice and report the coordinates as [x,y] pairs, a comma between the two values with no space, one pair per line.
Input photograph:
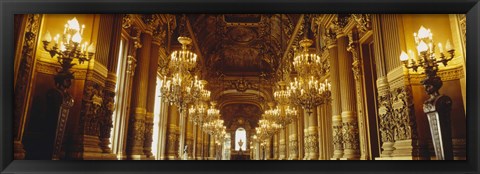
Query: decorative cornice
[51,68]
[445,75]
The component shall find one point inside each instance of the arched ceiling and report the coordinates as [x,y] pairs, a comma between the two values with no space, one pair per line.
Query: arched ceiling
[241,115]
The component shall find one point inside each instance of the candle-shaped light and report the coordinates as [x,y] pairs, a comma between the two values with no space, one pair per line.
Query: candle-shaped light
[77,38]
[47,37]
[83,28]
[91,48]
[65,29]
[422,47]
[403,56]
[440,48]
[73,24]
[423,33]
[448,46]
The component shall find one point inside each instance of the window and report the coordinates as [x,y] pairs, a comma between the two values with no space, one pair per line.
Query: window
[240,135]
[156,118]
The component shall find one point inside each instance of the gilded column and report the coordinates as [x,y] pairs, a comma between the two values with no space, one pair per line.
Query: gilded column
[384,97]
[172,142]
[23,79]
[282,145]
[136,131]
[211,151]
[331,41]
[306,145]
[87,140]
[312,139]
[275,147]
[300,136]
[293,142]
[106,121]
[347,93]
[358,76]
[163,139]
[405,132]
[151,93]
[190,138]
[198,144]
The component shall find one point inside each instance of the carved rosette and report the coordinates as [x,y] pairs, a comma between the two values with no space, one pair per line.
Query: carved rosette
[403,114]
[350,135]
[25,69]
[91,108]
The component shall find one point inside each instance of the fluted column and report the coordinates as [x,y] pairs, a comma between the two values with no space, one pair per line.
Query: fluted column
[347,93]
[211,151]
[190,139]
[163,128]
[198,143]
[306,145]
[293,142]
[405,131]
[331,41]
[325,144]
[282,145]
[136,130]
[312,139]
[384,102]
[106,122]
[151,93]
[275,147]
[300,136]
[172,142]
[359,90]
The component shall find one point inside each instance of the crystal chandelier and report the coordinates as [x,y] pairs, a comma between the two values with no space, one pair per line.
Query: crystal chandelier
[181,89]
[266,129]
[198,113]
[306,62]
[68,47]
[284,115]
[308,94]
[183,60]
[213,113]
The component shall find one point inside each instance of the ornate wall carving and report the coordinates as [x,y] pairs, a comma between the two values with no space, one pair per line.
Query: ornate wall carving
[25,70]
[385,114]
[337,137]
[92,102]
[403,113]
[350,135]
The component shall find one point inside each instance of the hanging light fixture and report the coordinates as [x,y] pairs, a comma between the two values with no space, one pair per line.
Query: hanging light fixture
[306,61]
[309,93]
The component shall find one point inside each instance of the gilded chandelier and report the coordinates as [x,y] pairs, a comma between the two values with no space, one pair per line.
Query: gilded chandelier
[181,89]
[266,129]
[306,62]
[309,94]
[199,113]
[183,60]
[68,47]
[283,114]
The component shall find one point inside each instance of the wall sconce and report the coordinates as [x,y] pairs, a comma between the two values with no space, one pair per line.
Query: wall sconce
[67,47]
[437,107]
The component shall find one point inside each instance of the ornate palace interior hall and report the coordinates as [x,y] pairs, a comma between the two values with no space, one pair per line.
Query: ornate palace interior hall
[240,87]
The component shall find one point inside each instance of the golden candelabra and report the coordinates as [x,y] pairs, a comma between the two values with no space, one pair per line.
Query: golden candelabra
[68,47]
[306,62]
[437,107]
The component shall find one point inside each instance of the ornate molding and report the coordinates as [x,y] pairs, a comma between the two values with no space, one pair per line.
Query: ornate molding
[385,114]
[92,102]
[403,114]
[127,21]
[363,22]
[337,137]
[446,75]
[340,22]
[350,135]
[25,70]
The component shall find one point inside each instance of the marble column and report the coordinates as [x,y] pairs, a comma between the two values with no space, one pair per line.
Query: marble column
[306,145]
[106,122]
[151,95]
[383,90]
[163,129]
[198,143]
[347,93]
[172,133]
[353,48]
[190,139]
[275,147]
[405,132]
[312,139]
[23,79]
[211,150]
[293,142]
[331,41]
[136,126]
[282,145]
